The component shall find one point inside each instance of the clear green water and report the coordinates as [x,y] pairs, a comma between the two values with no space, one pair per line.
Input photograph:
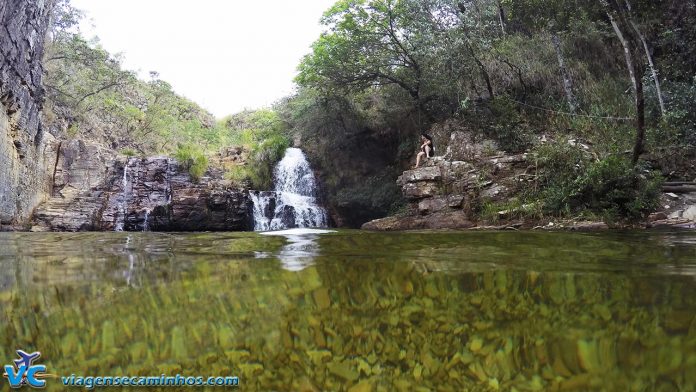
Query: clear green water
[443,311]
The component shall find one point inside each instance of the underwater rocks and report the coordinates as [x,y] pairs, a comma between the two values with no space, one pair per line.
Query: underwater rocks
[96,190]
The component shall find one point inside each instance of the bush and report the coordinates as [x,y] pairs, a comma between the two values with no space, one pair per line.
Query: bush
[617,190]
[612,187]
[129,152]
[192,159]
[561,165]
[238,174]
[263,159]
[507,127]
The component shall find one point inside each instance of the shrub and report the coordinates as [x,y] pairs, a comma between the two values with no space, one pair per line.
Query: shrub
[263,159]
[561,165]
[617,190]
[238,173]
[129,152]
[192,159]
[507,127]
[612,187]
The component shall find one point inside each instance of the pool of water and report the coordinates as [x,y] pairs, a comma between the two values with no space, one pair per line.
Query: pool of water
[358,311]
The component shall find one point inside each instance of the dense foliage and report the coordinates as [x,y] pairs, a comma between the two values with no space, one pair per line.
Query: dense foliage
[614,73]
[92,96]
[618,75]
[263,134]
[612,188]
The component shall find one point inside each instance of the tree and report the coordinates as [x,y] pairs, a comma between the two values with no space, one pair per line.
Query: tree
[76,69]
[620,22]
[370,43]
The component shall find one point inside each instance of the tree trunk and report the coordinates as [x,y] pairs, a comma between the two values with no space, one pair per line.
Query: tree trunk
[640,119]
[501,17]
[627,51]
[653,71]
[482,69]
[567,81]
[636,74]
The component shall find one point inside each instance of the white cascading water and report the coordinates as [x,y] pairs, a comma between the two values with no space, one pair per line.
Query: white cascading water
[123,199]
[293,203]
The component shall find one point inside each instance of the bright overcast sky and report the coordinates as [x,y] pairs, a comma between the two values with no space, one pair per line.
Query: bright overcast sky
[226,55]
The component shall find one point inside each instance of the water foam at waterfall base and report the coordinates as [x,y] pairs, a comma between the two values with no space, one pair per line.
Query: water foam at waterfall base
[293,203]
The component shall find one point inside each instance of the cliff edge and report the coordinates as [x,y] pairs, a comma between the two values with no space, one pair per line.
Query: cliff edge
[25,150]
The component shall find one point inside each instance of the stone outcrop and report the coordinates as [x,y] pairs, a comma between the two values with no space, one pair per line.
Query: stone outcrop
[443,192]
[26,153]
[97,190]
[678,209]
[446,192]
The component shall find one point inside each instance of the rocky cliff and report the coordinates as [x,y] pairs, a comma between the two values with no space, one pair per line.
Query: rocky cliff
[449,191]
[94,189]
[444,192]
[27,154]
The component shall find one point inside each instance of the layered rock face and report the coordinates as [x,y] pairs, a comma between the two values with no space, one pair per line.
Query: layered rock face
[26,154]
[445,192]
[442,193]
[96,190]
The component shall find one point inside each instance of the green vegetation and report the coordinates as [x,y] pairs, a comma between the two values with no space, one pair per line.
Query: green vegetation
[192,159]
[616,74]
[263,134]
[612,188]
[90,96]
[129,152]
[93,97]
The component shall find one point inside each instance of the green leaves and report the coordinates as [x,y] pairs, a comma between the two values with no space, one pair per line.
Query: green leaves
[364,46]
[193,159]
[263,133]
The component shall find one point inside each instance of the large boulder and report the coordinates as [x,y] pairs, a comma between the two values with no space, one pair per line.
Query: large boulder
[438,220]
[445,190]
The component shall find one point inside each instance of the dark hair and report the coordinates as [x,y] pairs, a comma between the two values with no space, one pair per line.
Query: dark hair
[430,139]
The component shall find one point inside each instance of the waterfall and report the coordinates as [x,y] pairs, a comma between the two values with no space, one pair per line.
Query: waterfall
[169,181]
[123,199]
[146,225]
[293,201]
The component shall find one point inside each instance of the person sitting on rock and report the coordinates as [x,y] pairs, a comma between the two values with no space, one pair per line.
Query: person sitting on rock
[427,149]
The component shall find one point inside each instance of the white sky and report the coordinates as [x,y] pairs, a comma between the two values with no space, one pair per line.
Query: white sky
[226,55]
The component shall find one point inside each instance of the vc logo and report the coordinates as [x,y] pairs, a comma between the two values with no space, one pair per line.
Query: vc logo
[24,372]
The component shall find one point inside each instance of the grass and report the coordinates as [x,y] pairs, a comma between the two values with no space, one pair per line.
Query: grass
[192,159]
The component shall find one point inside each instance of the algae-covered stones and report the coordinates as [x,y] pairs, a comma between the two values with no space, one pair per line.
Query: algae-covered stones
[321,298]
[344,370]
[363,386]
[178,344]
[476,344]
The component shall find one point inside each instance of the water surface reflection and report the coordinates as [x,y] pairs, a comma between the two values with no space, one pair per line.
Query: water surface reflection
[378,311]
